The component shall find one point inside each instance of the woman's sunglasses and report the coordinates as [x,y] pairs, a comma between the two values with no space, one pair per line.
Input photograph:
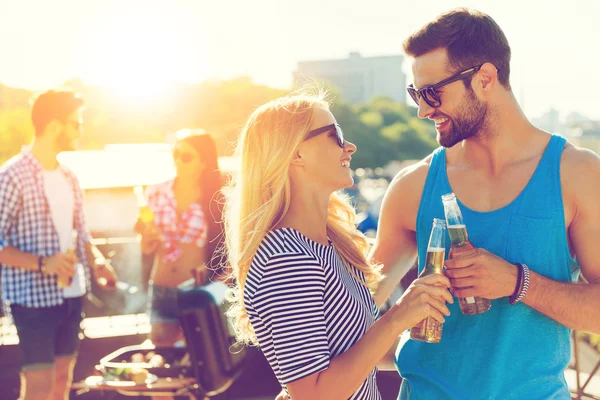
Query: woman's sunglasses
[184,156]
[429,93]
[327,128]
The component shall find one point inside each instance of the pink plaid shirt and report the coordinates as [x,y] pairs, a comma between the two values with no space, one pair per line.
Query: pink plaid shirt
[190,227]
[26,223]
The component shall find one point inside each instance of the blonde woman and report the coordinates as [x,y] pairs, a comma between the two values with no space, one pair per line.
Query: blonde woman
[304,285]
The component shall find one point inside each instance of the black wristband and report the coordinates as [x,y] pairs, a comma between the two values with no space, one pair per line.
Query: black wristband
[513,299]
[41,261]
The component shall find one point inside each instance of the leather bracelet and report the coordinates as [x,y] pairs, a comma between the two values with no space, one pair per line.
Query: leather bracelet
[41,263]
[513,298]
[525,285]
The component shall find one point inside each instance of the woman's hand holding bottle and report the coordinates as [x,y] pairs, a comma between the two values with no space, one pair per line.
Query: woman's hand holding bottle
[425,297]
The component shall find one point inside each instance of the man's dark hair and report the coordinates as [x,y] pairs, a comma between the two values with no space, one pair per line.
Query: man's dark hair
[53,104]
[470,38]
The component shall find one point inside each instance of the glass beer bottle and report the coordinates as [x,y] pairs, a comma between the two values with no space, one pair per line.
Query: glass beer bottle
[66,282]
[145,213]
[461,247]
[430,330]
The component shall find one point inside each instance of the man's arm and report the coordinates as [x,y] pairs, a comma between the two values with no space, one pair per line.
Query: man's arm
[9,207]
[10,256]
[395,246]
[14,258]
[576,306]
[573,305]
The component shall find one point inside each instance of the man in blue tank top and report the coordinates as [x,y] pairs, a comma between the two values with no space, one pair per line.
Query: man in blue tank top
[526,200]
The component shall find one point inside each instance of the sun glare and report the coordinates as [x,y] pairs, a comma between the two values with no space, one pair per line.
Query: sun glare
[138,58]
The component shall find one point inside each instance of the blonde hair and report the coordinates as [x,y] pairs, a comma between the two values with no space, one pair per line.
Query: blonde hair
[259,198]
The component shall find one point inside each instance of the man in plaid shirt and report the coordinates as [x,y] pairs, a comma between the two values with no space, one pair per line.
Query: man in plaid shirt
[41,217]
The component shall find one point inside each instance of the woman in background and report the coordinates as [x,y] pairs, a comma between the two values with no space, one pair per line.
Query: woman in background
[185,230]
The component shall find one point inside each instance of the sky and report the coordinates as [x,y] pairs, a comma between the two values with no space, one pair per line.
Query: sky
[139,46]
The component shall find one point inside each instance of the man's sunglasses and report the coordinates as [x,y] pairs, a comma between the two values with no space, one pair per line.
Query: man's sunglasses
[76,124]
[430,94]
[338,133]
[184,156]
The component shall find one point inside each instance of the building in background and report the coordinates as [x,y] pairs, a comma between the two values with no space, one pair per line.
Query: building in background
[550,121]
[357,78]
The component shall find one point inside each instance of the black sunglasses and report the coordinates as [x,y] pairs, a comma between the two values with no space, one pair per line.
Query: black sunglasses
[76,124]
[184,156]
[430,94]
[338,131]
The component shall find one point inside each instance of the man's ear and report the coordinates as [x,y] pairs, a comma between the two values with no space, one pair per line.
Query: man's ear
[488,76]
[52,128]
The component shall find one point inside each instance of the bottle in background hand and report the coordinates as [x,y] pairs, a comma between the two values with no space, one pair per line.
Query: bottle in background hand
[61,282]
[145,213]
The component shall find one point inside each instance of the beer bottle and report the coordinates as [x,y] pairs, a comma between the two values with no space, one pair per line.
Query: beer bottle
[146,214]
[430,330]
[461,247]
[66,282]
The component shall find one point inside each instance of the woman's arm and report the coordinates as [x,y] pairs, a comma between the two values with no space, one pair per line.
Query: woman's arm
[149,237]
[348,371]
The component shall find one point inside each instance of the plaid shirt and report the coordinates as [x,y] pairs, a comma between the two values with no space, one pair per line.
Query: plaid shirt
[26,223]
[189,227]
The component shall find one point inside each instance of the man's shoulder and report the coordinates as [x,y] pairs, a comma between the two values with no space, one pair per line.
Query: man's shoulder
[579,165]
[412,176]
[578,158]
[403,196]
[579,171]
[12,162]
[70,175]
[13,167]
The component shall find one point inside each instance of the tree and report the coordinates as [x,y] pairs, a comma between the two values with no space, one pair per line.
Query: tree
[16,131]
[382,129]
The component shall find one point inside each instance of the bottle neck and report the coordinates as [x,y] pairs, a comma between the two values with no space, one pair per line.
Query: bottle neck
[458,235]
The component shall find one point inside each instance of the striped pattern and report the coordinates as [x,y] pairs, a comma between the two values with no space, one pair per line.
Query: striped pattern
[305,307]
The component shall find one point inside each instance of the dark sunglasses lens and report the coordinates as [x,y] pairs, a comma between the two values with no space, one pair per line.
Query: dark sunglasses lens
[184,157]
[431,97]
[75,124]
[414,94]
[340,136]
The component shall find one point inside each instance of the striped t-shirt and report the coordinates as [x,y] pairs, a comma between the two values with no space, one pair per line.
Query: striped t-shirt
[305,307]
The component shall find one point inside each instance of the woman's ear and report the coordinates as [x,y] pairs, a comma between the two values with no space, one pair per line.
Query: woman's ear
[297,159]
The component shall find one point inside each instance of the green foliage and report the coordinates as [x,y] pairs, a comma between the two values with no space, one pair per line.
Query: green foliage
[372,119]
[383,130]
[15,131]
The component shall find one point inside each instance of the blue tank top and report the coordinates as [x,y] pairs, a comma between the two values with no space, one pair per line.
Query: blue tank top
[509,352]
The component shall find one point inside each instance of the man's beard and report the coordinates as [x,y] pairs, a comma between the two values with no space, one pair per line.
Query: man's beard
[64,143]
[470,118]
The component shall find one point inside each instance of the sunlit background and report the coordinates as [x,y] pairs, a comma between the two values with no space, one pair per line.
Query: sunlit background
[141,47]
[147,69]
